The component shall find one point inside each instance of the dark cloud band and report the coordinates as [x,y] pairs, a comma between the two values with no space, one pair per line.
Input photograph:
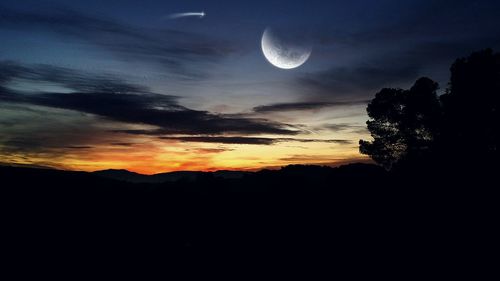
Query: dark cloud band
[250,140]
[119,101]
[277,107]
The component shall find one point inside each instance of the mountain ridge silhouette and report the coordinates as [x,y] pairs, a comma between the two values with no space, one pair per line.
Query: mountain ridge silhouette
[126,175]
[292,177]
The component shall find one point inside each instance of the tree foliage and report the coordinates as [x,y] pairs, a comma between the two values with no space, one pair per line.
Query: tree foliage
[403,123]
[414,127]
[471,107]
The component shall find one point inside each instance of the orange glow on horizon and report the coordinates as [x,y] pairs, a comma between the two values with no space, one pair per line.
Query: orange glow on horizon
[158,157]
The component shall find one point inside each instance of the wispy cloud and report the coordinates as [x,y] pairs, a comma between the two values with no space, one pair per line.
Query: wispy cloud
[181,52]
[116,100]
[188,14]
[344,127]
[298,106]
[251,140]
[356,82]
[324,160]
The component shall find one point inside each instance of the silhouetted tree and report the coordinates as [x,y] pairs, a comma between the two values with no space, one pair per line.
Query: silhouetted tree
[386,112]
[403,123]
[457,131]
[471,126]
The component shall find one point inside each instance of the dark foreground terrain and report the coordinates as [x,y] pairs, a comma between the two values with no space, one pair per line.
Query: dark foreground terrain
[335,215]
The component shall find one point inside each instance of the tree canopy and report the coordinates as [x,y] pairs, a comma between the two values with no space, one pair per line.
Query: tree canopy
[403,123]
[415,126]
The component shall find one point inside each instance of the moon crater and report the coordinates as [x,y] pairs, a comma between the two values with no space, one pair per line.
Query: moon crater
[283,54]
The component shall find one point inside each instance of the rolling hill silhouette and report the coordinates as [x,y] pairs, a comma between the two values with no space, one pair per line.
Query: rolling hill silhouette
[294,178]
[189,176]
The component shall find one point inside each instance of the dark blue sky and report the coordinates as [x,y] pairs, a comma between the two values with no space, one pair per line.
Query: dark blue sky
[208,75]
[425,35]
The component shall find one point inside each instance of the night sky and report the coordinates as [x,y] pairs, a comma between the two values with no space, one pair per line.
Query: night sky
[91,85]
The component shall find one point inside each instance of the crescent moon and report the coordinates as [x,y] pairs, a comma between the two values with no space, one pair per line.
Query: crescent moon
[282,54]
